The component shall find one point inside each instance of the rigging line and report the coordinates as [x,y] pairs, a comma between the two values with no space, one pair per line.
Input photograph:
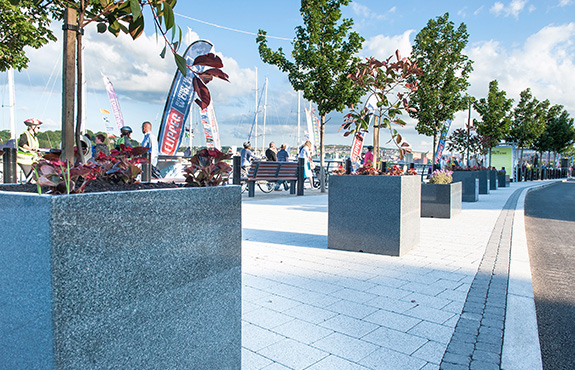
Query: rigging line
[53,84]
[230,29]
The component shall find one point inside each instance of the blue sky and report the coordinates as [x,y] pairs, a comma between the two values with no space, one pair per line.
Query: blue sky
[521,43]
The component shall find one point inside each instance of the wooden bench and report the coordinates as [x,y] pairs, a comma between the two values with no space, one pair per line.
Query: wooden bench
[271,171]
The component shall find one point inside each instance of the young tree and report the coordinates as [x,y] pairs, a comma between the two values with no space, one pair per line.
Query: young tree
[438,48]
[495,112]
[112,16]
[559,132]
[323,57]
[386,82]
[528,121]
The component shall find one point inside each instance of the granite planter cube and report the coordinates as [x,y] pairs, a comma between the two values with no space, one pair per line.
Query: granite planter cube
[502,180]
[374,214]
[492,180]
[470,184]
[147,279]
[441,200]
[484,181]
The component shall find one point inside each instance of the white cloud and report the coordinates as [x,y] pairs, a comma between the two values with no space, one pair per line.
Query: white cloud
[566,2]
[365,12]
[544,63]
[513,9]
[382,47]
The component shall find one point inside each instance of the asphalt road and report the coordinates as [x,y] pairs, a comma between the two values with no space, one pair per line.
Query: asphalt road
[550,227]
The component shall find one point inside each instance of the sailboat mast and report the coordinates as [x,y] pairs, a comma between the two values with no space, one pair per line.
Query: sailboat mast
[12,102]
[257,111]
[265,112]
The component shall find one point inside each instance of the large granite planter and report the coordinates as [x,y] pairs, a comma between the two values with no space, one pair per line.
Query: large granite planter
[374,214]
[492,180]
[146,279]
[441,200]
[470,184]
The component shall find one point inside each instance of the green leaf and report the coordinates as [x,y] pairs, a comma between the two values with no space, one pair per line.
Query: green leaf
[168,16]
[114,28]
[136,8]
[163,53]
[102,27]
[181,63]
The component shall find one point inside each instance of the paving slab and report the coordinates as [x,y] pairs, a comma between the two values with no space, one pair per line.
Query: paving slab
[307,307]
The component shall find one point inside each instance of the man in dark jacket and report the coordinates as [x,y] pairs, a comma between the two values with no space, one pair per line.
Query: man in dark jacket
[271,152]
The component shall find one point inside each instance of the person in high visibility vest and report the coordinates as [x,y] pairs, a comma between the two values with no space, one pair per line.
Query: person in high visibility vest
[28,146]
[125,139]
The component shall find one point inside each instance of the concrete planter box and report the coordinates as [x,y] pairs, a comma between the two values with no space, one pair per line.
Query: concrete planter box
[147,279]
[484,181]
[470,184]
[492,180]
[441,200]
[502,180]
[374,214]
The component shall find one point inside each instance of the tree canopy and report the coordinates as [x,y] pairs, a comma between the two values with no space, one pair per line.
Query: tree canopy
[22,26]
[559,132]
[495,112]
[438,48]
[323,55]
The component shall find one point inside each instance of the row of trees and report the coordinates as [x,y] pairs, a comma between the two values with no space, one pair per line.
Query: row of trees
[532,124]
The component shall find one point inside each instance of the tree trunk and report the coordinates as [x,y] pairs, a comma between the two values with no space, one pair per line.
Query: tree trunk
[79,97]
[376,141]
[322,153]
[68,85]
[433,155]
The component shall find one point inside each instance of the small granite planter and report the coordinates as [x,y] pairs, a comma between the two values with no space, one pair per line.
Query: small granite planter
[502,180]
[484,181]
[147,279]
[470,184]
[492,180]
[374,214]
[441,200]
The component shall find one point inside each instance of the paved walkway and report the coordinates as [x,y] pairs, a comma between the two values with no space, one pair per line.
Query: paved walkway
[442,305]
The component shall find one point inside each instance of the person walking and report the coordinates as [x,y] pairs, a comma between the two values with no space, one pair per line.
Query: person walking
[271,152]
[305,153]
[28,146]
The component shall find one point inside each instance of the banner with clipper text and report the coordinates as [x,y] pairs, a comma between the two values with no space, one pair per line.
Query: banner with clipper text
[113,102]
[210,124]
[357,146]
[180,98]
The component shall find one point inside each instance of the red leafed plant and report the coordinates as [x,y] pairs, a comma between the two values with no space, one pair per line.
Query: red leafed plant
[60,178]
[367,169]
[121,165]
[201,79]
[208,168]
[339,171]
[386,82]
[395,170]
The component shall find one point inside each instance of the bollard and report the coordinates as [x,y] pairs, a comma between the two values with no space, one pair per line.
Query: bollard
[10,167]
[383,167]
[300,175]
[412,165]
[518,176]
[147,168]
[237,169]
[348,166]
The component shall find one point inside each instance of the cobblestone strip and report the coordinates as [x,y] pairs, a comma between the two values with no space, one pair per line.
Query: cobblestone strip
[478,337]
